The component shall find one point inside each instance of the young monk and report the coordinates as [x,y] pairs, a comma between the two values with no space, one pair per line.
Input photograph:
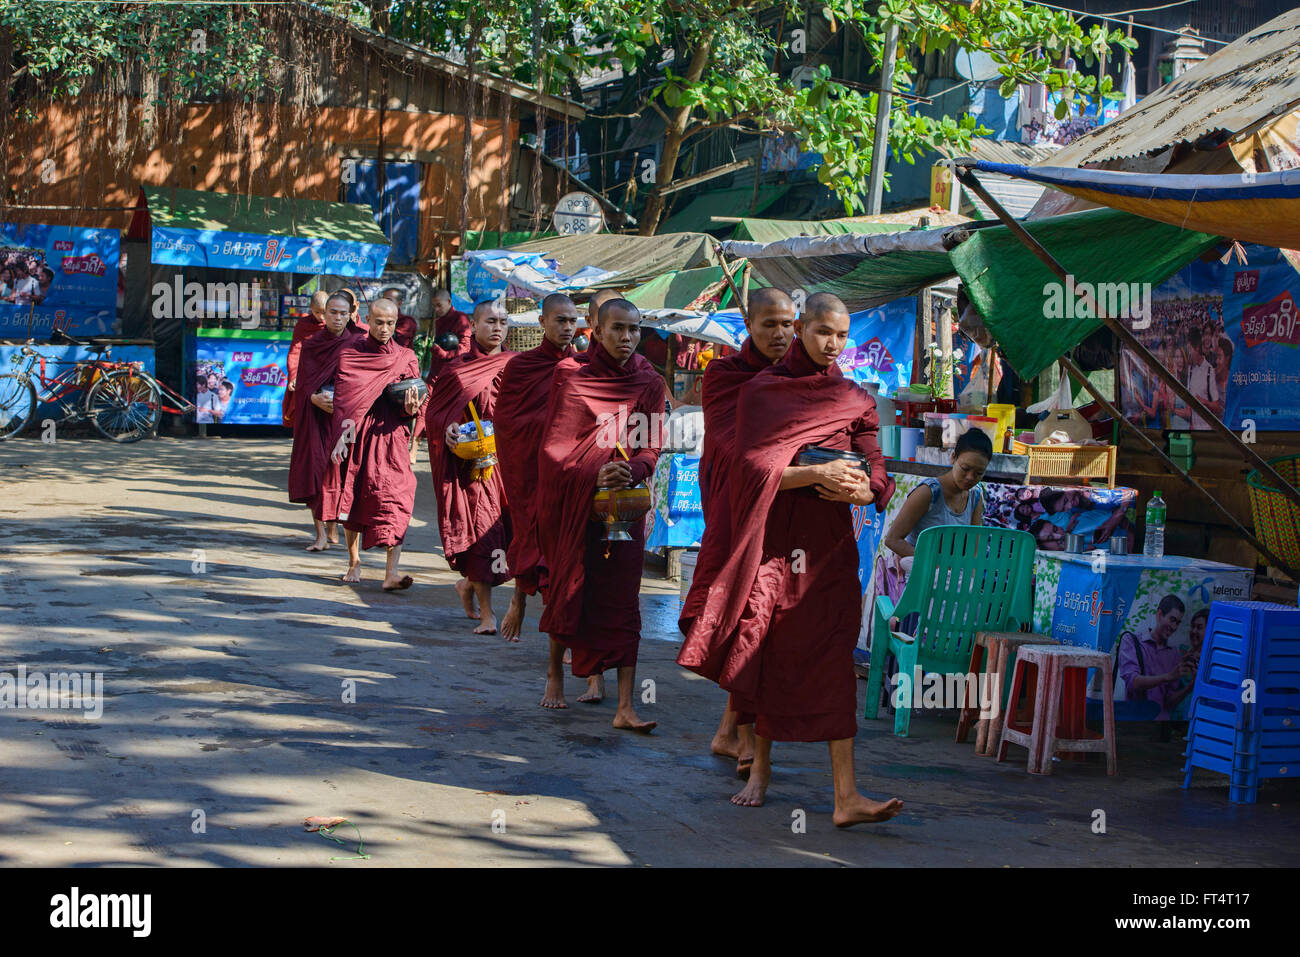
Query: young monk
[313,478]
[592,600]
[472,517]
[520,421]
[303,330]
[770,322]
[780,620]
[447,318]
[372,435]
[407,327]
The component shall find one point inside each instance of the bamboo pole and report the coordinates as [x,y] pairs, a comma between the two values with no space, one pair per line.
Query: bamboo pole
[731,282]
[1077,375]
[1122,333]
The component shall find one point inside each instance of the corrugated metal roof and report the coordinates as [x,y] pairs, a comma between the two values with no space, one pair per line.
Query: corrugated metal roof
[1016,196]
[1249,80]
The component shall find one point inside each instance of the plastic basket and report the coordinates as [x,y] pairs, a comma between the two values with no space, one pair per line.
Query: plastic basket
[1069,461]
[481,451]
[1277,518]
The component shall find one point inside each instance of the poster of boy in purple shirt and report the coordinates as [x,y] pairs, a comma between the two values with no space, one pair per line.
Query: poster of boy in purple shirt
[1150,667]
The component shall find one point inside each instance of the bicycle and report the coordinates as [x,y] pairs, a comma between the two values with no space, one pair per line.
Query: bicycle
[121,399]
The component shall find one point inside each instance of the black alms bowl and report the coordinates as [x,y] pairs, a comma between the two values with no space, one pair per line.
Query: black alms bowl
[819,455]
[448,341]
[396,392]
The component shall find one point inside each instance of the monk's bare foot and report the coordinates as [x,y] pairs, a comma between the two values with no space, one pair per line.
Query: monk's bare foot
[568,656]
[513,621]
[553,696]
[398,584]
[353,574]
[466,592]
[753,793]
[862,810]
[726,745]
[489,626]
[595,692]
[743,767]
[628,720]
[318,546]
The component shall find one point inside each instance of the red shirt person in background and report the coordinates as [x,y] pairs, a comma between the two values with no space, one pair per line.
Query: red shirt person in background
[520,422]
[780,620]
[770,321]
[593,597]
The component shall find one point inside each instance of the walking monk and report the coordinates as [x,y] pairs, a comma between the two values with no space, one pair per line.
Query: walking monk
[447,319]
[612,399]
[780,619]
[378,486]
[472,517]
[303,330]
[520,421]
[313,478]
[770,321]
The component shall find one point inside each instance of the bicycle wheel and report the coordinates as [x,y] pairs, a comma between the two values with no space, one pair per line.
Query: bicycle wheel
[123,406]
[17,405]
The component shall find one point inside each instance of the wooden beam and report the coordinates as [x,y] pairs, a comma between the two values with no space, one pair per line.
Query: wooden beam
[1121,332]
[706,176]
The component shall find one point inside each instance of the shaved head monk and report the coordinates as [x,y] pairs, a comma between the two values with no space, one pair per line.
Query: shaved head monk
[303,330]
[370,436]
[472,517]
[593,310]
[447,319]
[407,327]
[770,321]
[603,428]
[520,422]
[780,620]
[313,478]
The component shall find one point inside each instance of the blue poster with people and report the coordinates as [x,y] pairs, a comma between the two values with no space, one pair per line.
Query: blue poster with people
[57,276]
[1259,309]
[239,376]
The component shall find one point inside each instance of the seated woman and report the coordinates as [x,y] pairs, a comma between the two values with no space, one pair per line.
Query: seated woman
[953,498]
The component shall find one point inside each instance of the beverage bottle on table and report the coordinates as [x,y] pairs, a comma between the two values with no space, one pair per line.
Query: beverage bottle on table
[1153,545]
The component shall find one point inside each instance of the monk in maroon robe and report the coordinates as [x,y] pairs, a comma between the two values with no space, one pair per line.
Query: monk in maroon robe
[372,435]
[780,619]
[520,422]
[770,321]
[407,326]
[472,517]
[614,400]
[303,330]
[313,478]
[447,319]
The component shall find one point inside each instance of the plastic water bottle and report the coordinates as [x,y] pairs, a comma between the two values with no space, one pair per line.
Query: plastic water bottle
[1154,544]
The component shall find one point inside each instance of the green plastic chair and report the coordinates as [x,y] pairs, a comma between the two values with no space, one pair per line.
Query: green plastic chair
[965,579]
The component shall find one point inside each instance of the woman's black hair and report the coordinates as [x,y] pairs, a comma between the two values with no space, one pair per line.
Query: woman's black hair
[1202,613]
[974,440]
[1169,603]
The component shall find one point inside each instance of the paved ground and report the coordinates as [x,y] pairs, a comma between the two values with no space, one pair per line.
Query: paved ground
[223,694]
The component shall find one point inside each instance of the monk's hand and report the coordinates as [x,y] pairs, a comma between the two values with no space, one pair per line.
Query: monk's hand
[322,402]
[293,383]
[452,436]
[412,402]
[614,475]
[856,490]
[839,477]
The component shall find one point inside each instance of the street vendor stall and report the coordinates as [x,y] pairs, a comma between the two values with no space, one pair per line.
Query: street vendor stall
[255,254]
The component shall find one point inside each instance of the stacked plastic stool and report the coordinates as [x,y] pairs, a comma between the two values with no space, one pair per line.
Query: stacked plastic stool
[1244,718]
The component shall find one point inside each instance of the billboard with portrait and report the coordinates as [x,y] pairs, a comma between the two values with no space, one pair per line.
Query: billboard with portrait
[57,276]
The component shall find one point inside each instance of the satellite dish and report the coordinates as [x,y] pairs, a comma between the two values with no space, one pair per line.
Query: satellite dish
[976,65]
[578,214]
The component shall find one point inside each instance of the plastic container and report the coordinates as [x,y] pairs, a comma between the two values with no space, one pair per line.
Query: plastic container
[689,557]
[1005,413]
[934,429]
[1153,545]
[989,426]
[909,440]
[889,441]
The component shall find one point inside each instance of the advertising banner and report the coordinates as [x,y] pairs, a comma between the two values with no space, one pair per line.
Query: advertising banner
[880,345]
[57,275]
[238,377]
[676,518]
[175,246]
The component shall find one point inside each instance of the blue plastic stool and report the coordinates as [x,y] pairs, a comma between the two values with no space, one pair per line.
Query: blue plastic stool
[1255,646]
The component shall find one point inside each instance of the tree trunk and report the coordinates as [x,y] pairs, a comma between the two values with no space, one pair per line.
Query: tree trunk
[673,136]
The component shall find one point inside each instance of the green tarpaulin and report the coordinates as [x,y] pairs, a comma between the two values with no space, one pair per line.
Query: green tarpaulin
[262,215]
[697,215]
[770,230]
[636,259]
[491,239]
[1023,303]
[677,290]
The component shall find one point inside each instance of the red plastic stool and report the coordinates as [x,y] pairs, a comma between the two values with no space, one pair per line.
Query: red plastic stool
[1058,720]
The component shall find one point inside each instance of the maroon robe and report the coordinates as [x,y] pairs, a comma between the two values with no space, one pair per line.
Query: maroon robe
[313,478]
[780,619]
[407,327]
[378,490]
[593,601]
[454,321]
[520,422]
[472,517]
[303,330]
[721,393]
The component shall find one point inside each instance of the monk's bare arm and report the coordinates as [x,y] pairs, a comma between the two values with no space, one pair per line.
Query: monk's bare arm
[916,505]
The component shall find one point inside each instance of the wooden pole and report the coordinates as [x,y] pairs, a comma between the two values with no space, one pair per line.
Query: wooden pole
[731,282]
[1078,376]
[1122,333]
[880,143]
[921,342]
[943,333]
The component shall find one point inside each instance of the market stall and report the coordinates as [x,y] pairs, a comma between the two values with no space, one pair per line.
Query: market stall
[258,257]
